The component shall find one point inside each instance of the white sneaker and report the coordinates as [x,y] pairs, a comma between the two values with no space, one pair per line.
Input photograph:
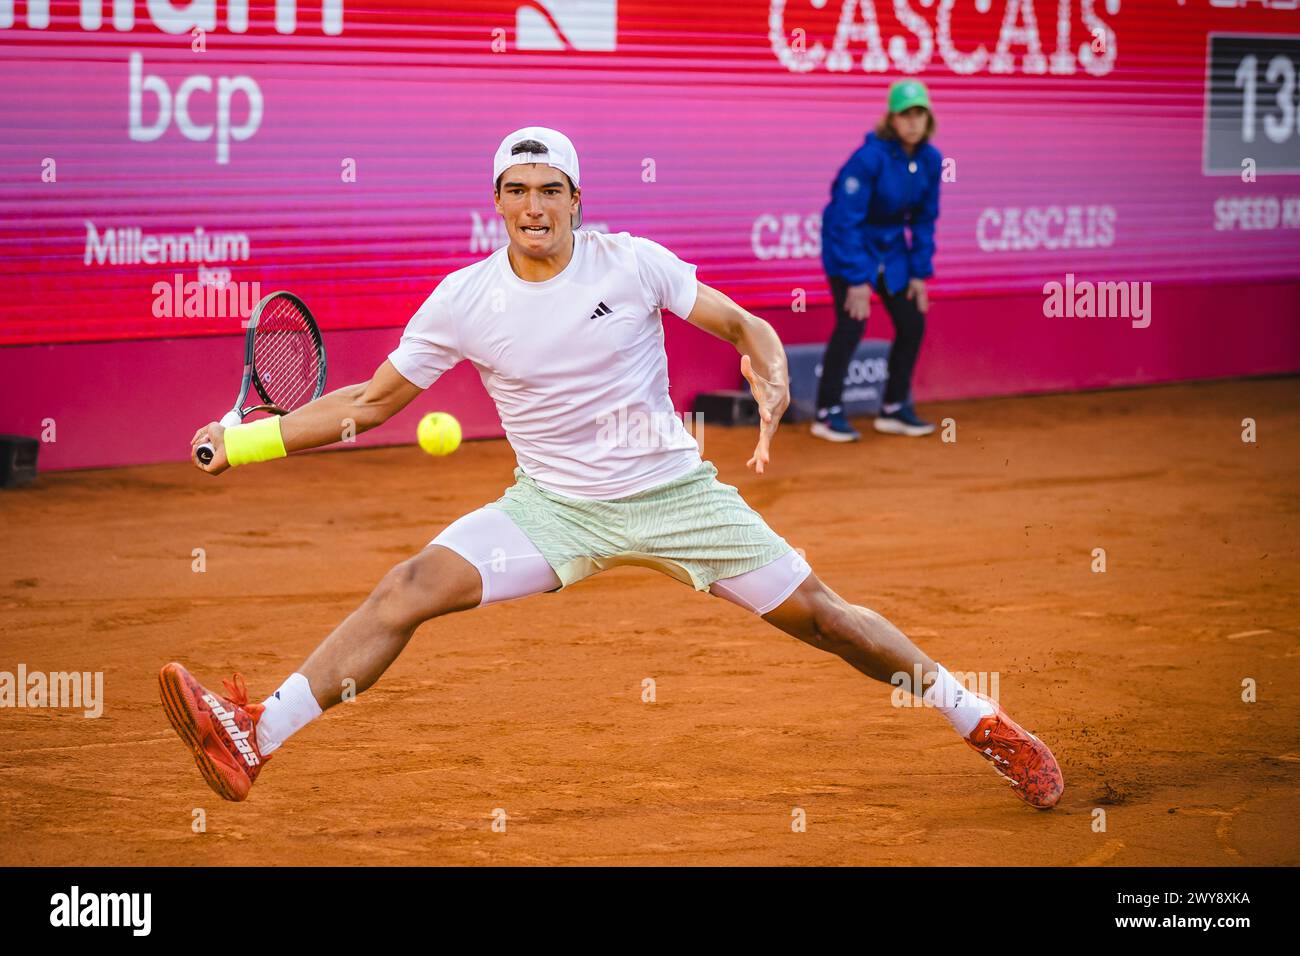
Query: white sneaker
[903,422]
[834,427]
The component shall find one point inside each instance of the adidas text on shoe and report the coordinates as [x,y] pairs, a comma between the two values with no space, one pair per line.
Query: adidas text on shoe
[220,730]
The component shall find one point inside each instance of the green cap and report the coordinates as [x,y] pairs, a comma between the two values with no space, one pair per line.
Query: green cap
[905,94]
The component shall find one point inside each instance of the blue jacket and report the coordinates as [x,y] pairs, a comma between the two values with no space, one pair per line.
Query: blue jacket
[874,196]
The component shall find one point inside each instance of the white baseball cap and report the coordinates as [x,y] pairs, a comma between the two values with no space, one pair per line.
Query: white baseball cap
[559,152]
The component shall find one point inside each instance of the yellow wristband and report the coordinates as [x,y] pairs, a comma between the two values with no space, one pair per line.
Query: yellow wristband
[256,441]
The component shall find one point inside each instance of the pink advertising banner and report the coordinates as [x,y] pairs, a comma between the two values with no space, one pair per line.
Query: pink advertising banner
[165,163]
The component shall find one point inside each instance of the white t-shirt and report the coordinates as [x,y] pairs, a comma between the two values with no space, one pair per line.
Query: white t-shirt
[575,364]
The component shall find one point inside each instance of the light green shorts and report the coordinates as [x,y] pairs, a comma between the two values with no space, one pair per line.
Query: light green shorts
[694,529]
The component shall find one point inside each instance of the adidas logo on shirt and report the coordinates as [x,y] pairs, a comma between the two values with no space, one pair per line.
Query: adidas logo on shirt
[601,309]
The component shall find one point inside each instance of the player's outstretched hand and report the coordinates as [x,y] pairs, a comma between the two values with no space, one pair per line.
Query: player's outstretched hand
[772,398]
[212,432]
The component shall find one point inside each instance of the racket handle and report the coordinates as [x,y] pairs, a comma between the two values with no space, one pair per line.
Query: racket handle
[205,451]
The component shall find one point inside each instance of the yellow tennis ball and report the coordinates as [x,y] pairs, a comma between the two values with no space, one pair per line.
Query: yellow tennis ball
[438,433]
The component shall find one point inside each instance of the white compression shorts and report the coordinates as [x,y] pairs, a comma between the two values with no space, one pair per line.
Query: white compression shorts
[512,567]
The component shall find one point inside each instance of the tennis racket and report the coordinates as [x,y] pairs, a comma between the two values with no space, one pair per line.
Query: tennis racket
[284,362]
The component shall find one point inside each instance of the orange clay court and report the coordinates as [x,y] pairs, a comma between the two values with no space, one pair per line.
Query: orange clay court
[1133,676]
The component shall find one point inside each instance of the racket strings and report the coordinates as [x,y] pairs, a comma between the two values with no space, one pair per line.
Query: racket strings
[287,373]
[281,366]
[285,355]
[283,362]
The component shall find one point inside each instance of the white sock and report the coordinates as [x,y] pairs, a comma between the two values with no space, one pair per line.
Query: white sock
[288,710]
[962,708]
[891,407]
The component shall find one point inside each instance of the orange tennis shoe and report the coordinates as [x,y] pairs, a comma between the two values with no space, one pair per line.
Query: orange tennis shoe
[220,731]
[1019,756]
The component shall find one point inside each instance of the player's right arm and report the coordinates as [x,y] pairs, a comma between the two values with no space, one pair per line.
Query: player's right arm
[349,410]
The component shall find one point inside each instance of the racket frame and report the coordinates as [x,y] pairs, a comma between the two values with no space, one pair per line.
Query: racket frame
[240,411]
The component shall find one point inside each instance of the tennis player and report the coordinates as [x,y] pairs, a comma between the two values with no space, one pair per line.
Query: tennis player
[565,329]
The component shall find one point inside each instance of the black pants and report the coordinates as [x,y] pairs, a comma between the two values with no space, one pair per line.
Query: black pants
[909,328]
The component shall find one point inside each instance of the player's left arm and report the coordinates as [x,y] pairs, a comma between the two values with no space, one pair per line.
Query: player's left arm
[762,360]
